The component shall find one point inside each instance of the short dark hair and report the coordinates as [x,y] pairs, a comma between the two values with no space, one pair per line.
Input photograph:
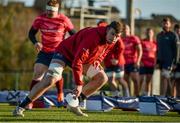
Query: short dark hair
[149,28]
[166,19]
[53,3]
[117,26]
[176,26]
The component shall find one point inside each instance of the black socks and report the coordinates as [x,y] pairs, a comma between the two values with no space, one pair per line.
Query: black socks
[25,102]
[82,97]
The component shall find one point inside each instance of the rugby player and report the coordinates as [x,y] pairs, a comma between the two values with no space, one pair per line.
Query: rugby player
[148,61]
[132,54]
[53,27]
[83,52]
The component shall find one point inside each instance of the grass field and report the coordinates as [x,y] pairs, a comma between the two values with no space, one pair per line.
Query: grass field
[62,115]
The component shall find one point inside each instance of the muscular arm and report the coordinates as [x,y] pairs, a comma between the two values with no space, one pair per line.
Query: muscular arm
[32,35]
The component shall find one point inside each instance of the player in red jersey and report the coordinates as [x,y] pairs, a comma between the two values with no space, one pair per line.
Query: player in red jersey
[132,54]
[83,52]
[53,27]
[148,61]
[114,64]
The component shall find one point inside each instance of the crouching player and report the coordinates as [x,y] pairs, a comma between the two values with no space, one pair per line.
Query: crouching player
[83,52]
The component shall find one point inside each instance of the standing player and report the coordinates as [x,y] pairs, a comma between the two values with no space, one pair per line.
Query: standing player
[114,64]
[53,27]
[177,69]
[84,51]
[148,61]
[132,54]
[166,57]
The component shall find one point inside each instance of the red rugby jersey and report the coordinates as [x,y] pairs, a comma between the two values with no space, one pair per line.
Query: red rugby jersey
[116,53]
[52,30]
[130,53]
[85,47]
[149,53]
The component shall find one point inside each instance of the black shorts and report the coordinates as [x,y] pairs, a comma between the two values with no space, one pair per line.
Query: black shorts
[62,58]
[177,67]
[146,70]
[131,68]
[44,58]
[165,65]
[114,69]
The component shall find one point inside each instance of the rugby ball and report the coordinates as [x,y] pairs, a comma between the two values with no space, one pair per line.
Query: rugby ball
[73,102]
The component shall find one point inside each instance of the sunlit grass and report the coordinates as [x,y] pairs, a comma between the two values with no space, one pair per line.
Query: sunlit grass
[61,114]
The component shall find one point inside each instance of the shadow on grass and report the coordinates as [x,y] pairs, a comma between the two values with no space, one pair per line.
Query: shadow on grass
[23,119]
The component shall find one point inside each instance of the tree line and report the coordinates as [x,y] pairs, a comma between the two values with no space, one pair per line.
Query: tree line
[17,54]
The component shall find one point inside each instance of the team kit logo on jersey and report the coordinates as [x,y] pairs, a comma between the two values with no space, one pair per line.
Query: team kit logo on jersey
[51,30]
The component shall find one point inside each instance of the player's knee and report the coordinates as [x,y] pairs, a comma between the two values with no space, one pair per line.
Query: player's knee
[38,75]
[49,80]
[55,71]
[105,78]
[53,74]
[101,77]
[97,74]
